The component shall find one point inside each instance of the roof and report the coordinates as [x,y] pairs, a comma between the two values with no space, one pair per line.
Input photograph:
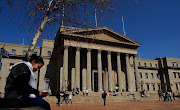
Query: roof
[114,36]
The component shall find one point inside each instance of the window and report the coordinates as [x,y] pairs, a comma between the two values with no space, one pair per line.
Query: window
[173,64]
[152,76]
[150,65]
[147,87]
[176,86]
[140,74]
[139,63]
[177,65]
[49,53]
[153,87]
[146,75]
[159,87]
[24,52]
[47,85]
[145,64]
[141,87]
[13,52]
[158,76]
[179,75]
[174,74]
[35,53]
[156,65]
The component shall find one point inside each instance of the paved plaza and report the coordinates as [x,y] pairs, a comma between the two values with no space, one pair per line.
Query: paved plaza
[130,105]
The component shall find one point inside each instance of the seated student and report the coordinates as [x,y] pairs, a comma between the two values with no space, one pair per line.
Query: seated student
[115,93]
[20,84]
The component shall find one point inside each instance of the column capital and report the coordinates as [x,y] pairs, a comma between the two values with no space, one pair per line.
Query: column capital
[127,54]
[99,51]
[89,49]
[78,48]
[66,47]
[118,53]
[109,52]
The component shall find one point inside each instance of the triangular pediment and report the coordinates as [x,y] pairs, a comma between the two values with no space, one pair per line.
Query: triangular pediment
[101,33]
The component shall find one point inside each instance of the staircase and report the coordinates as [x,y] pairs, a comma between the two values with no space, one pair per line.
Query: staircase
[97,97]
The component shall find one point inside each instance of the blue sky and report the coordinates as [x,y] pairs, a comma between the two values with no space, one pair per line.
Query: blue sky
[153,23]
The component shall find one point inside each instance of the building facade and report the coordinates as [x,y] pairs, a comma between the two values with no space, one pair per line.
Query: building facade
[95,59]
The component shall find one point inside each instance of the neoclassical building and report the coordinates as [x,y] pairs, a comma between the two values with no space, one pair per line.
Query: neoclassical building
[95,59]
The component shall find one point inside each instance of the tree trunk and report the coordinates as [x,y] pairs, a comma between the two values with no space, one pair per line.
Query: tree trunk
[36,37]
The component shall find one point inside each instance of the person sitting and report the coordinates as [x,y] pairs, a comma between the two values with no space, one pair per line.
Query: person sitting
[20,85]
[115,93]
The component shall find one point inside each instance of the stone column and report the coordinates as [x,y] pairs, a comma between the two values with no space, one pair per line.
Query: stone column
[119,70]
[109,71]
[77,67]
[88,78]
[99,71]
[128,73]
[136,72]
[65,68]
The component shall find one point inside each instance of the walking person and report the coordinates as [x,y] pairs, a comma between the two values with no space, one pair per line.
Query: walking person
[67,99]
[173,96]
[104,94]
[70,98]
[170,95]
[160,95]
[64,97]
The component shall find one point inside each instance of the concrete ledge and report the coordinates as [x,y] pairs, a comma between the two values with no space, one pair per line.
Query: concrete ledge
[27,108]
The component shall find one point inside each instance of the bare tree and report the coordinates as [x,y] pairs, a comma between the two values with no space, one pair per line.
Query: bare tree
[75,12]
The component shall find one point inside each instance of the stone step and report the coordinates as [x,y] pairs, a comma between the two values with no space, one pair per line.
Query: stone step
[96,97]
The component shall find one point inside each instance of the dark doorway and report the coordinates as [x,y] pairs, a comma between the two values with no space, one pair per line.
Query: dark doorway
[95,82]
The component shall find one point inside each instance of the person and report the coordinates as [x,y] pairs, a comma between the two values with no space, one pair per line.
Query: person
[64,97]
[160,95]
[86,92]
[121,91]
[73,92]
[170,95]
[20,84]
[77,90]
[67,99]
[116,88]
[111,90]
[173,95]
[70,98]
[104,94]
[115,93]
[58,97]
[142,94]
[83,92]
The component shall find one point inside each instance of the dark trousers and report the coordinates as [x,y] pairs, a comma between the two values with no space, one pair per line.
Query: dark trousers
[38,101]
[104,101]
[58,100]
